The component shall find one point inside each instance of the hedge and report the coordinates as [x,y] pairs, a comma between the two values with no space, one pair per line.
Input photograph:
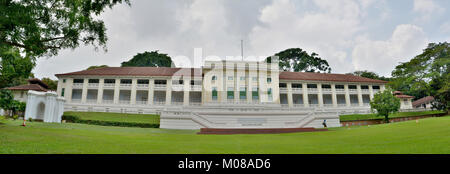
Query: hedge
[75,119]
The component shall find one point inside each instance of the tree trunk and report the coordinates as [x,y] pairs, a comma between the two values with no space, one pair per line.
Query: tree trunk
[386,119]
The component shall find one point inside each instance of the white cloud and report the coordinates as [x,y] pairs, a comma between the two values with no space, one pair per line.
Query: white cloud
[427,8]
[382,56]
[327,31]
[445,27]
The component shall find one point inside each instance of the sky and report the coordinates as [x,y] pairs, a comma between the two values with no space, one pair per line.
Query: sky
[374,35]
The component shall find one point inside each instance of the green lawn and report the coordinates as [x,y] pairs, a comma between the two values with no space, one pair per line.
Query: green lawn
[117,117]
[430,135]
[374,116]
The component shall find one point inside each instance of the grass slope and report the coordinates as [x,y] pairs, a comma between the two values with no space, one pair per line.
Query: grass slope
[430,135]
[353,117]
[117,117]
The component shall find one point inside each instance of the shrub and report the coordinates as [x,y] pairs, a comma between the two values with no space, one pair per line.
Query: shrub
[15,117]
[75,119]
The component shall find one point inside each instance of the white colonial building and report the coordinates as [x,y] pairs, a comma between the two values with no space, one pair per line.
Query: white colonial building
[221,94]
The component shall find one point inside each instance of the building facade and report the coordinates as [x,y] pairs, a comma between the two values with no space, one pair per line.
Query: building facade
[220,94]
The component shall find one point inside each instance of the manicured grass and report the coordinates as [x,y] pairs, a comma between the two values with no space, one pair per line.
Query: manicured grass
[116,117]
[354,117]
[430,135]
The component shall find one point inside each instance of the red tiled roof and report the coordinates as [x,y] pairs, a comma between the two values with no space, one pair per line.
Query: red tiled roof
[422,101]
[138,71]
[403,96]
[34,87]
[326,77]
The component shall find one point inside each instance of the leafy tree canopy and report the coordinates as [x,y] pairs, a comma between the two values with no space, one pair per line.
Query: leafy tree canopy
[52,84]
[385,103]
[96,66]
[368,74]
[426,74]
[41,27]
[152,59]
[296,59]
[6,99]
[14,69]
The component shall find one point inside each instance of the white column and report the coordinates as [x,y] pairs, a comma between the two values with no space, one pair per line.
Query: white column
[84,90]
[333,95]
[305,94]
[60,86]
[68,90]
[101,83]
[289,94]
[116,91]
[371,92]
[133,91]
[169,92]
[151,87]
[319,95]
[382,88]
[186,90]
[347,95]
[360,100]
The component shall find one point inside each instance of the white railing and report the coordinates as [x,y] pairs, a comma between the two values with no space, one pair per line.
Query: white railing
[91,101]
[297,89]
[92,84]
[109,85]
[354,104]
[299,105]
[283,89]
[312,90]
[159,102]
[342,105]
[327,105]
[340,90]
[76,101]
[108,101]
[125,85]
[352,90]
[141,102]
[124,101]
[326,89]
[196,87]
[195,103]
[142,85]
[284,105]
[177,87]
[160,86]
[313,105]
[365,90]
[77,85]
[177,103]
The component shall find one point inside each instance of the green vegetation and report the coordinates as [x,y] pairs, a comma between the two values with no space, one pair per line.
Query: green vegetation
[152,59]
[426,74]
[298,60]
[354,117]
[384,103]
[113,119]
[428,136]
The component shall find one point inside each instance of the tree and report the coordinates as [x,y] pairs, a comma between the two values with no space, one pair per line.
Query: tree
[14,69]
[152,59]
[43,27]
[296,59]
[52,84]
[426,74]
[6,100]
[368,74]
[96,66]
[385,103]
